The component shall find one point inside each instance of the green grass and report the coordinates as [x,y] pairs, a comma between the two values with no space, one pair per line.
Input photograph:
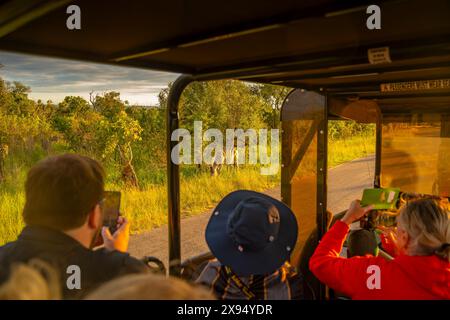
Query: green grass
[147,208]
[11,222]
[344,150]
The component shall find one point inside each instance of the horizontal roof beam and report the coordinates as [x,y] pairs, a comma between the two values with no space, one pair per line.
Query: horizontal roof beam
[341,59]
[17,13]
[241,29]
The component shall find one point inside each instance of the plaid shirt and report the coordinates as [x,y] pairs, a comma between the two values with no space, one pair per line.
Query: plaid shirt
[283,284]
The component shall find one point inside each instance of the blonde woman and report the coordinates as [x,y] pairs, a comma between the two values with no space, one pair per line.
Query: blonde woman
[421,270]
[35,280]
[149,287]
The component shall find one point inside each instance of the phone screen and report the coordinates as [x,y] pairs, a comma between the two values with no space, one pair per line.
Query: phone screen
[111,210]
[380,198]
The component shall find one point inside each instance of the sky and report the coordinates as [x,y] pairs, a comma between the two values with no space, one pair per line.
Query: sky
[53,79]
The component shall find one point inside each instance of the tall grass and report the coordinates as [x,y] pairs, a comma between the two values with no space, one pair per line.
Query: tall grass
[147,208]
[11,222]
[344,150]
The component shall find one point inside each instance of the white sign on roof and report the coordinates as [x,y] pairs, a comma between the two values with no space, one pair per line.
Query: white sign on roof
[415,85]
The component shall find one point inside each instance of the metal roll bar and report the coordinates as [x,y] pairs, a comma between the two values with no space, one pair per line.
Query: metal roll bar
[173,174]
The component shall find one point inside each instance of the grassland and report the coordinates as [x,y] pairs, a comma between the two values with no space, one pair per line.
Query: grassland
[147,208]
[344,150]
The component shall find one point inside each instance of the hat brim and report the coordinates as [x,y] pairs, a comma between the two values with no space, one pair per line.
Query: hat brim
[247,263]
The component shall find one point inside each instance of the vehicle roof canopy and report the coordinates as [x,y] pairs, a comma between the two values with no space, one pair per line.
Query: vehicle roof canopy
[311,44]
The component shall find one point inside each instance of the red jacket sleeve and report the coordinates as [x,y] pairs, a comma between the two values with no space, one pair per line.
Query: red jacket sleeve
[348,276]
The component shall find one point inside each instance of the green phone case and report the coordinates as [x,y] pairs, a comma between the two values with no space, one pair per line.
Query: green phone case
[380,198]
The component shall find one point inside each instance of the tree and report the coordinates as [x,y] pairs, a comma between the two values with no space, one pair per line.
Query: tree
[163,96]
[22,128]
[149,152]
[108,104]
[19,103]
[76,121]
[72,105]
[116,132]
[274,97]
[222,105]
[226,104]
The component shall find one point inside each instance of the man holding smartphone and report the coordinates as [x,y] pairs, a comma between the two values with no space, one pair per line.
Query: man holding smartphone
[63,217]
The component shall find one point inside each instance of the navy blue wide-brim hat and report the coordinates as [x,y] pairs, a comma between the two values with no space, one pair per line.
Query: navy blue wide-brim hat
[252,233]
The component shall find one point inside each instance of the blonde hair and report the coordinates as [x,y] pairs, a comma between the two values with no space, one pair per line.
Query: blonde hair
[427,224]
[149,287]
[33,281]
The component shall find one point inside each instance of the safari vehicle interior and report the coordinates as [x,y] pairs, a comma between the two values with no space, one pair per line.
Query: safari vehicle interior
[397,77]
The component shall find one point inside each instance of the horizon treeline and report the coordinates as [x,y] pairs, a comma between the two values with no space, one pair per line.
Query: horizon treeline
[129,140]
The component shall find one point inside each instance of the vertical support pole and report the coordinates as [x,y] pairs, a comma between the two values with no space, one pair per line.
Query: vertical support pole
[173,174]
[286,157]
[377,176]
[322,163]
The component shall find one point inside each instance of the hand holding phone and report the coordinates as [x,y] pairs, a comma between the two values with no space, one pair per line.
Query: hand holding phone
[120,238]
[355,212]
[110,215]
[111,210]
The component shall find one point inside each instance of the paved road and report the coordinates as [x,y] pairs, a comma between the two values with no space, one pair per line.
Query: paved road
[345,183]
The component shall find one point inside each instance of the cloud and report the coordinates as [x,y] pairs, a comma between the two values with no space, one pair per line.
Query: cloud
[53,79]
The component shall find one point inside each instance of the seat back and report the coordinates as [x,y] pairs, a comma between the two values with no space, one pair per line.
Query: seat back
[312,284]
[192,267]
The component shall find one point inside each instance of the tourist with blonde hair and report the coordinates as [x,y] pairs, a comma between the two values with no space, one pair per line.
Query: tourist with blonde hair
[421,269]
[149,287]
[35,280]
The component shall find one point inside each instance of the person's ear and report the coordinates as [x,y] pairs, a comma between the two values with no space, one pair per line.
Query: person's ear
[406,239]
[403,240]
[95,218]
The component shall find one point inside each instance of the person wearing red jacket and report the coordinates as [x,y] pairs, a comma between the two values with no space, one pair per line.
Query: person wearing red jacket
[420,271]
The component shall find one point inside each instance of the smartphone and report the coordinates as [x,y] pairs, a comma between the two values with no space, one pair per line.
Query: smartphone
[380,198]
[111,210]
